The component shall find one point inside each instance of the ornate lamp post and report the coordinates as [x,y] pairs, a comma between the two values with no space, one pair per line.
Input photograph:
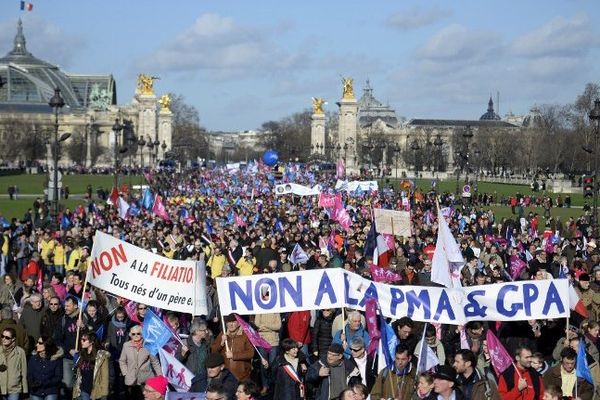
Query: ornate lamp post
[156,145]
[338,150]
[595,117]
[150,145]
[56,103]
[396,150]
[438,143]
[414,146]
[468,135]
[369,146]
[477,154]
[457,156]
[163,146]
[116,128]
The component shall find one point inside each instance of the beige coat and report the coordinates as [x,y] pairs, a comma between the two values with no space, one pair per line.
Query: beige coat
[137,365]
[268,327]
[100,377]
[14,379]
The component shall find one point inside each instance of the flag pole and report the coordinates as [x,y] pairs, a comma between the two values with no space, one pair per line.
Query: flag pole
[87,274]
[224,332]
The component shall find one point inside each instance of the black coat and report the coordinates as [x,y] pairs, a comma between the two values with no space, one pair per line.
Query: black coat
[287,388]
[229,382]
[321,334]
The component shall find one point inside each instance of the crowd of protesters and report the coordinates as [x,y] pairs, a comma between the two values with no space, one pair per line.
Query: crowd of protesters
[234,220]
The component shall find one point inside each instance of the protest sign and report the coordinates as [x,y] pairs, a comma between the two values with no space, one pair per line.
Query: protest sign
[128,271]
[294,188]
[335,288]
[392,222]
[351,186]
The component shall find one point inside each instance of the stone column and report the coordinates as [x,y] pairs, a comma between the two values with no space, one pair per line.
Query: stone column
[317,133]
[347,128]
[165,127]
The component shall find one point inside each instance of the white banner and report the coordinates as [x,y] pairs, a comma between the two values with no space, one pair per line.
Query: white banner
[335,288]
[392,222]
[128,271]
[294,188]
[351,186]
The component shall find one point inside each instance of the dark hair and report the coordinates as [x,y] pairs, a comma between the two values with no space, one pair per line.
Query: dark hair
[250,388]
[401,348]
[468,355]
[430,330]
[343,393]
[58,276]
[568,353]
[404,321]
[553,390]
[288,344]
[360,387]
[84,355]
[216,387]
[13,332]
[72,299]
[49,345]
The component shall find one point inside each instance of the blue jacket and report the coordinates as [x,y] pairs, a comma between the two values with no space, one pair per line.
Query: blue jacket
[45,376]
[361,332]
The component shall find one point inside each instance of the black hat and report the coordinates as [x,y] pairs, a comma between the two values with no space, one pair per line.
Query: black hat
[214,360]
[336,348]
[445,372]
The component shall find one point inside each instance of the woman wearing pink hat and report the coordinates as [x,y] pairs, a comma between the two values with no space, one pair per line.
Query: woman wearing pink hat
[155,388]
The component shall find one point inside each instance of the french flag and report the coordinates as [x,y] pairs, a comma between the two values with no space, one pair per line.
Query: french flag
[26,6]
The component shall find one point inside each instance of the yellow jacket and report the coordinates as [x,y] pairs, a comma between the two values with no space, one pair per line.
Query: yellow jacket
[246,265]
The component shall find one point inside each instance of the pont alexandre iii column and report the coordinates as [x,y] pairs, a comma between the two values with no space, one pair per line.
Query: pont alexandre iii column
[317,128]
[348,122]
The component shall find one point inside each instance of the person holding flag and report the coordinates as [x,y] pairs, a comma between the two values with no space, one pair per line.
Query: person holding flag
[518,381]
[566,376]
[136,363]
[236,349]
[398,380]
[193,354]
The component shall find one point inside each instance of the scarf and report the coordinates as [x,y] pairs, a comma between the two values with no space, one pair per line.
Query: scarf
[118,324]
[337,380]
[137,345]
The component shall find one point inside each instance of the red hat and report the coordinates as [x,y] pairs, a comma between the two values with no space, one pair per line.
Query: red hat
[158,383]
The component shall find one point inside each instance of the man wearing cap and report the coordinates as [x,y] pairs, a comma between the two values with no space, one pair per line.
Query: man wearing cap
[236,349]
[399,381]
[155,388]
[333,374]
[520,381]
[444,383]
[219,375]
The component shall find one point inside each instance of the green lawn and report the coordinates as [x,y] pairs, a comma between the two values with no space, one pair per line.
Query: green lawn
[34,184]
[17,208]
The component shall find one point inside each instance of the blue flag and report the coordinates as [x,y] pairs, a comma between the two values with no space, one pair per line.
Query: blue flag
[582,368]
[155,333]
[371,241]
[100,333]
[133,210]
[278,225]
[147,199]
[389,341]
[184,212]
[209,228]
[65,223]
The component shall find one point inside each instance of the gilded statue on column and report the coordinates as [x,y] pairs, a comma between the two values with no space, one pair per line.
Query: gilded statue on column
[146,84]
[317,105]
[165,103]
[348,89]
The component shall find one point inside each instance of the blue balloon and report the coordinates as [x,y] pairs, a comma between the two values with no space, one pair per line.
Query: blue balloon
[270,158]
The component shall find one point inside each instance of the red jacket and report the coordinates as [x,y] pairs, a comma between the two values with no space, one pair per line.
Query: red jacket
[32,268]
[513,393]
[298,324]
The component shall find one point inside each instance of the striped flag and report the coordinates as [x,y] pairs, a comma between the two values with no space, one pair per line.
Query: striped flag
[26,6]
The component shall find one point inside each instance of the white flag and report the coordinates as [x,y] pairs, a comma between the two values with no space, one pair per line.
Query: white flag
[447,260]
[177,374]
[427,358]
[298,255]
[123,208]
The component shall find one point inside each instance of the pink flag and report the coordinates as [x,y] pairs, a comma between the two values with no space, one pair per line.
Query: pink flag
[499,357]
[130,309]
[371,317]
[329,200]
[516,266]
[253,336]
[389,239]
[340,169]
[148,176]
[464,343]
[343,218]
[159,208]
[379,274]
[238,220]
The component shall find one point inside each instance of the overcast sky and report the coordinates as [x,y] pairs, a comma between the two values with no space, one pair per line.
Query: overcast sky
[241,63]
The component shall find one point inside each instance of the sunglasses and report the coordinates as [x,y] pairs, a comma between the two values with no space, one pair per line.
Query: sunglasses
[85,339]
[54,304]
[135,334]
[7,337]
[142,308]
[40,342]
[356,350]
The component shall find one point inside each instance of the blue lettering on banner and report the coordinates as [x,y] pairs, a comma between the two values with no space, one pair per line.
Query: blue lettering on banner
[325,288]
[553,297]
[349,300]
[416,301]
[371,292]
[500,306]
[472,308]
[245,297]
[270,299]
[530,294]
[285,287]
[397,298]
[444,305]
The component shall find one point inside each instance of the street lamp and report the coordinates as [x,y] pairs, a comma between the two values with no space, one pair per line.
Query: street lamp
[150,146]
[595,117]
[396,150]
[477,154]
[414,146]
[116,128]
[438,143]
[56,103]
[163,146]
[369,146]
[468,135]
[156,146]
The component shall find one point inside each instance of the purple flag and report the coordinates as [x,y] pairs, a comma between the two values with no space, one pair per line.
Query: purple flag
[371,318]
[516,267]
[253,336]
[380,274]
[499,357]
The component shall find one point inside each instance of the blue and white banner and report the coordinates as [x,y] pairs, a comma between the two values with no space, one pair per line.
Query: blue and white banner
[336,288]
[351,186]
[299,190]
